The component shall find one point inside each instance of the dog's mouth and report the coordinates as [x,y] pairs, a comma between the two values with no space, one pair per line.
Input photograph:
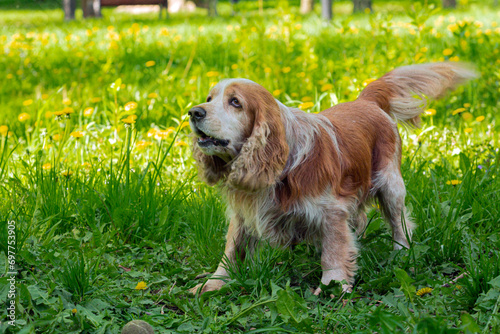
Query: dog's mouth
[205,140]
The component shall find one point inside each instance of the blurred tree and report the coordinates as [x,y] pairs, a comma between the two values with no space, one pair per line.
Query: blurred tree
[449,3]
[361,5]
[326,9]
[91,8]
[69,7]
[306,6]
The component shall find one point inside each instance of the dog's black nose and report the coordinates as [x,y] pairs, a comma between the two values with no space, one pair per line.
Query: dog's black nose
[197,113]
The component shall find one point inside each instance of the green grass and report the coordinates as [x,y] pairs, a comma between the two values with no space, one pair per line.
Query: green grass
[100,206]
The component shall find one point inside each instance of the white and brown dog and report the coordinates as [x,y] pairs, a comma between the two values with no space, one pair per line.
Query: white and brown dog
[289,176]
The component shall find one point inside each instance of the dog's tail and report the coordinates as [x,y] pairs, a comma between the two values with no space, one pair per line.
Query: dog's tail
[403,92]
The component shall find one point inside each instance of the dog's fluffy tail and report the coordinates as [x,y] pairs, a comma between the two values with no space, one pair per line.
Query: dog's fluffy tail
[403,92]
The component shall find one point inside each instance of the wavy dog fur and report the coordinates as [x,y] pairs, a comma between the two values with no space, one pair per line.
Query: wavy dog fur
[289,176]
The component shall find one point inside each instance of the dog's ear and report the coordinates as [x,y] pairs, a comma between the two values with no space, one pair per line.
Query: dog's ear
[211,168]
[265,153]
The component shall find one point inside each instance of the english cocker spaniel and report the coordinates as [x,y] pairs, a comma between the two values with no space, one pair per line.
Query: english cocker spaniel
[290,176]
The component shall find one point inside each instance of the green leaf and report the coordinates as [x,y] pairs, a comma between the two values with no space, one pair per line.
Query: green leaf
[406,286]
[469,324]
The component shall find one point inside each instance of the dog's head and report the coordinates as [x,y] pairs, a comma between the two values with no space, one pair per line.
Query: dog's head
[239,135]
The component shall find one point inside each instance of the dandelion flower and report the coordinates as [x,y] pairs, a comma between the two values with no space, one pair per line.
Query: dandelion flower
[46,166]
[4,129]
[458,111]
[211,74]
[150,63]
[479,118]
[66,102]
[453,182]
[447,52]
[277,92]
[306,105]
[152,96]
[129,120]
[268,70]
[326,87]
[67,173]
[467,116]
[77,134]
[27,102]
[74,311]
[468,130]
[181,143]
[424,291]
[430,112]
[141,286]
[466,105]
[88,111]
[130,106]
[57,137]
[23,117]
[68,111]
[368,81]
[234,66]
[95,99]
[286,69]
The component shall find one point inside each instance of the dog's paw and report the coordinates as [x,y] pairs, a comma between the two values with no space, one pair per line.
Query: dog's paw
[345,288]
[211,285]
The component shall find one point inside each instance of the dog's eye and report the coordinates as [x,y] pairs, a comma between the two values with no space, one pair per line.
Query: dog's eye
[209,99]
[235,103]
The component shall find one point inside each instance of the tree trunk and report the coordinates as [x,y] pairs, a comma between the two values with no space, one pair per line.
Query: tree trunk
[449,4]
[306,6]
[361,5]
[91,8]
[212,7]
[326,9]
[69,7]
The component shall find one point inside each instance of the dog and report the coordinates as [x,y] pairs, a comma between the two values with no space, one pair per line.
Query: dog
[289,176]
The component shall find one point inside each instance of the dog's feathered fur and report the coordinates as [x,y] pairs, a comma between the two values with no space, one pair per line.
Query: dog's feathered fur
[289,176]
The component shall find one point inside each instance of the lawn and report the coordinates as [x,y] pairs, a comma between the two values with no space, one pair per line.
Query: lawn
[111,224]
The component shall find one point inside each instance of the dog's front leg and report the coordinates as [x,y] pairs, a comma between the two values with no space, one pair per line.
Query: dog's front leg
[338,257]
[234,239]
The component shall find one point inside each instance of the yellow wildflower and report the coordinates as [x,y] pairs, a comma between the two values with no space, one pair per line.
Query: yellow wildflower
[430,112]
[130,106]
[77,134]
[88,111]
[181,143]
[141,286]
[326,87]
[57,137]
[468,130]
[212,74]
[152,132]
[454,182]
[162,134]
[74,311]
[277,92]
[466,105]
[129,120]
[27,102]
[307,99]
[58,113]
[150,63]
[23,117]
[67,173]
[479,118]
[368,81]
[447,52]
[142,144]
[286,69]
[467,116]
[66,102]
[68,111]
[45,96]
[95,99]
[306,105]
[152,96]
[424,291]
[234,66]
[268,70]
[458,111]
[46,166]
[4,129]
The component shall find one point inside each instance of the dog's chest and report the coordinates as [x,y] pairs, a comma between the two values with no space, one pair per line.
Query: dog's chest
[263,217]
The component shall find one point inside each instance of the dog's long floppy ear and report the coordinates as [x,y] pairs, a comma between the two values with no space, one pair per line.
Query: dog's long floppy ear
[211,168]
[264,154]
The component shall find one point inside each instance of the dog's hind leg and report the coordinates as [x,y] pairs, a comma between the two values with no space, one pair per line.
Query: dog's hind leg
[391,194]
